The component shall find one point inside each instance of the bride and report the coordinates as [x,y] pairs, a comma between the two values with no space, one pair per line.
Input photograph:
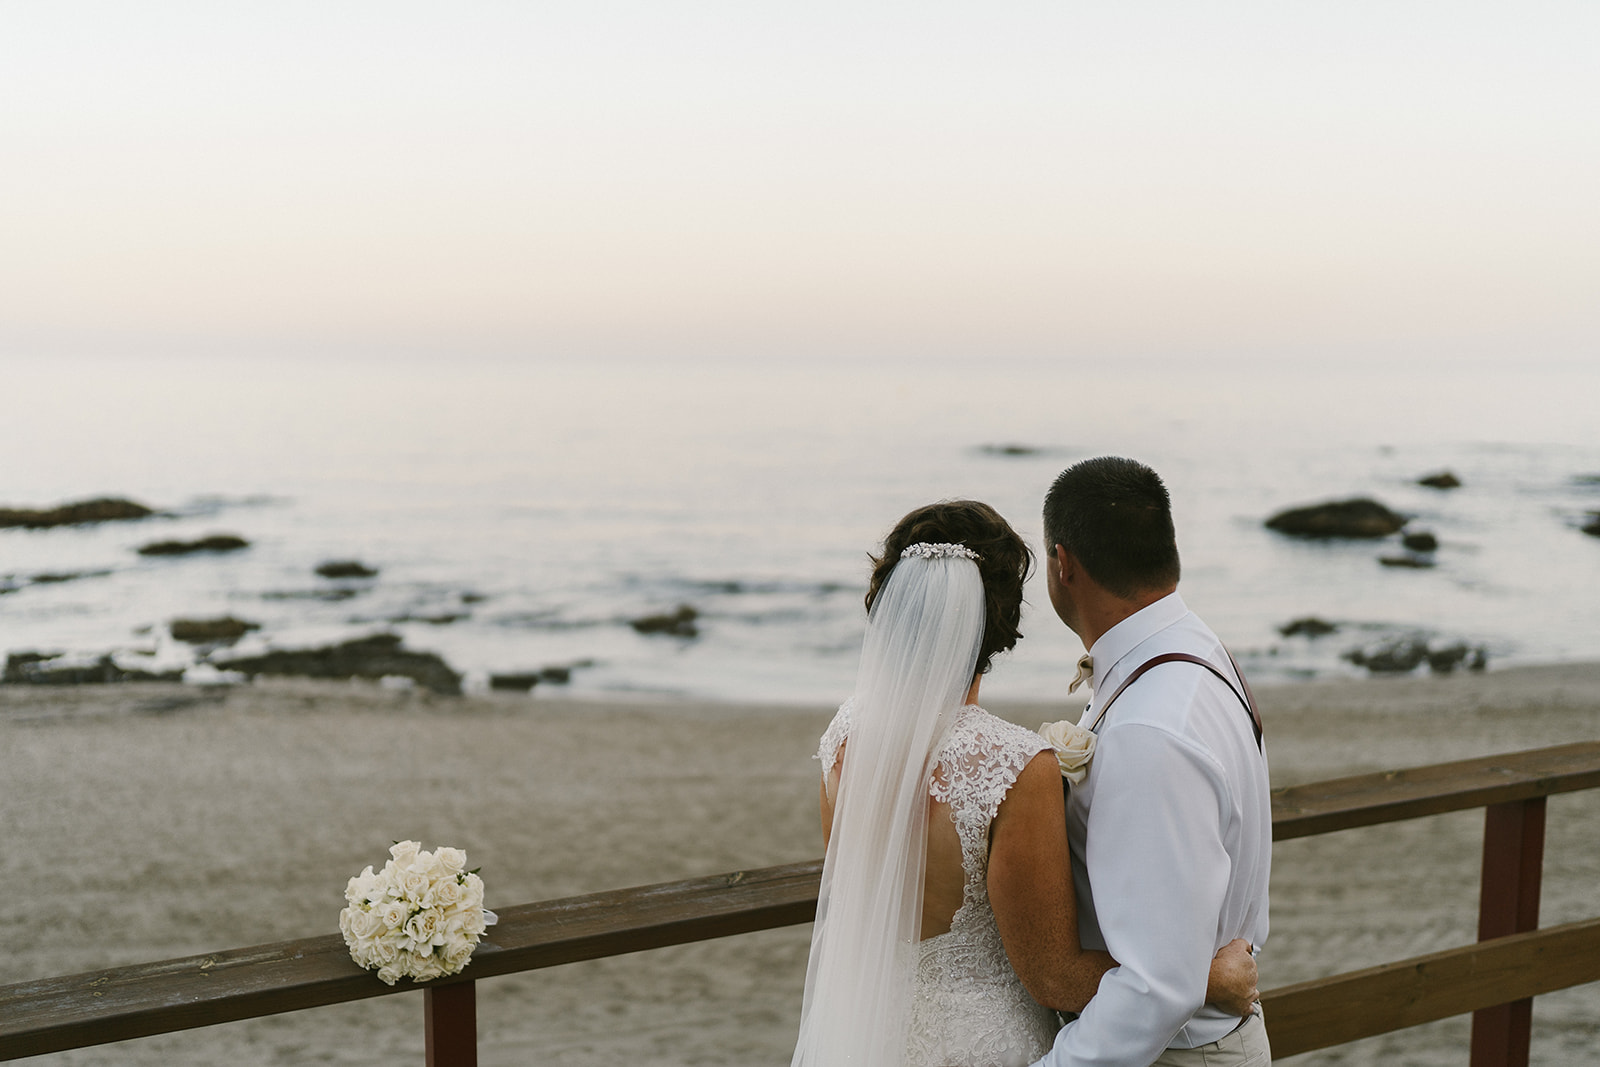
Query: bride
[946,927]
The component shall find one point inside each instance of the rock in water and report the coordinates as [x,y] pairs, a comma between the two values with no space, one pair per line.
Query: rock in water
[366,657]
[205,631]
[1311,626]
[1418,563]
[346,568]
[33,668]
[679,624]
[1358,518]
[1442,480]
[1592,527]
[105,509]
[517,683]
[1421,541]
[1393,656]
[214,543]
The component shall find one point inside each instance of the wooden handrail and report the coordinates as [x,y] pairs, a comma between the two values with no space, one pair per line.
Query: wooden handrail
[1393,996]
[73,1011]
[1392,796]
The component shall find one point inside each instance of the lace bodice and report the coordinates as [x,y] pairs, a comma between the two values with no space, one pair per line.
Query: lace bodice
[969,1008]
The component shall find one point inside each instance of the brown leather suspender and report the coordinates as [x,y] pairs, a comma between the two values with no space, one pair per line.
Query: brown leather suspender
[1247,698]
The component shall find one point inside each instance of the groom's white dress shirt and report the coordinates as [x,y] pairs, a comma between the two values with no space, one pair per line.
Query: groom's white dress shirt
[1171,838]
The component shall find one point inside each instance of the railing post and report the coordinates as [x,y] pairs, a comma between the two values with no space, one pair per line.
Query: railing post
[451,1013]
[1513,861]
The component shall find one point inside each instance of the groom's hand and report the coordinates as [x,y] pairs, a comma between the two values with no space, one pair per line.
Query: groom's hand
[1232,984]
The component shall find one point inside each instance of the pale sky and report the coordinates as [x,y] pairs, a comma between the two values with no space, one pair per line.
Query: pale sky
[1416,178]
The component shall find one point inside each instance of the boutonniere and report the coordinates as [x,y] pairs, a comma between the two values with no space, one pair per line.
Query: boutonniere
[1074,747]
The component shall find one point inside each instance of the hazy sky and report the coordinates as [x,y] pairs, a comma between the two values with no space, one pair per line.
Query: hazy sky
[1415,178]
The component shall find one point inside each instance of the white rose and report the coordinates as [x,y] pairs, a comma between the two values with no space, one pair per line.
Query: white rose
[456,955]
[394,913]
[446,893]
[405,851]
[423,930]
[389,974]
[450,861]
[425,970]
[384,949]
[472,890]
[412,884]
[1074,747]
[361,886]
[365,924]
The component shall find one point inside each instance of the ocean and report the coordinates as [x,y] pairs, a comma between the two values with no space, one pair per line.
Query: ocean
[520,512]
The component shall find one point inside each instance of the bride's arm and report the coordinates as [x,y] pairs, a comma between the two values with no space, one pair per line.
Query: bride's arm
[1030,889]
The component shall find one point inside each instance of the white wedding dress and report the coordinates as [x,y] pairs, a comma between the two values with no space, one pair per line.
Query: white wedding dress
[968,1007]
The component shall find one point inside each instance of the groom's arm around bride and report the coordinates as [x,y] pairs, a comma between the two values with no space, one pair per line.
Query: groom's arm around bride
[1171,831]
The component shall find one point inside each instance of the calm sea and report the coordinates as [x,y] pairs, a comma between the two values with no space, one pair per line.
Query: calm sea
[530,508]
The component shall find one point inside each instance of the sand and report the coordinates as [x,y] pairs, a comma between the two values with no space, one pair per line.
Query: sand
[144,822]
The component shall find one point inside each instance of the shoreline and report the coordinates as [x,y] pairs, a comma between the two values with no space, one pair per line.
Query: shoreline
[157,820]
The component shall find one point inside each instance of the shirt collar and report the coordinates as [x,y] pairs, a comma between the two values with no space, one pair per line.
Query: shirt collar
[1130,633]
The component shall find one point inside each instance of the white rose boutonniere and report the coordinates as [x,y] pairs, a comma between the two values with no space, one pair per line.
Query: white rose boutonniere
[1074,747]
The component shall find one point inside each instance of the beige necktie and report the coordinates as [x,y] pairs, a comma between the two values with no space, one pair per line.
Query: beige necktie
[1085,672]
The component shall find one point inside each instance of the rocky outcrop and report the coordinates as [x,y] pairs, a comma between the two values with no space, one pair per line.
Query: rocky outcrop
[1442,480]
[1310,626]
[1406,652]
[1391,656]
[346,568]
[679,623]
[104,509]
[1417,563]
[1592,527]
[42,668]
[366,657]
[523,681]
[214,543]
[1358,518]
[210,631]
[1420,541]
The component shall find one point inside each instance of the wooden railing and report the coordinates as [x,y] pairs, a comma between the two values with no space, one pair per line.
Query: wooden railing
[1495,979]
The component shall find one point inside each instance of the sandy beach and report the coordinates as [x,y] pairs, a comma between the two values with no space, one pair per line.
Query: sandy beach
[149,821]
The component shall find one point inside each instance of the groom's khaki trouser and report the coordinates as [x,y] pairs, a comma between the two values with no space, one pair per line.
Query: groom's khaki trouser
[1245,1047]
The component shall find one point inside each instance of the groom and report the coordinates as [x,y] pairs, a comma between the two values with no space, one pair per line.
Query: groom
[1171,833]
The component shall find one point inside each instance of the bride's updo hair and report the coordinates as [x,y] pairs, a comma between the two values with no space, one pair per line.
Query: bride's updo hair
[1004,562]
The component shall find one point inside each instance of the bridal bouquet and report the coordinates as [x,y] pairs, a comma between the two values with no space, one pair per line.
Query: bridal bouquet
[418,918]
[1074,747]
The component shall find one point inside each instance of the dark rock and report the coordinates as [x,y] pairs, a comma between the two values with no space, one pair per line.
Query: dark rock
[52,578]
[432,620]
[33,668]
[1391,656]
[1311,626]
[1418,563]
[519,683]
[329,595]
[1010,450]
[1442,480]
[1586,479]
[1592,527]
[1359,518]
[1479,660]
[203,631]
[678,624]
[366,657]
[473,598]
[106,509]
[346,568]
[556,675]
[1421,541]
[214,543]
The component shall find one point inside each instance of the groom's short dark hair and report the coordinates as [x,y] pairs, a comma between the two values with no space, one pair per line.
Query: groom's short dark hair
[1114,515]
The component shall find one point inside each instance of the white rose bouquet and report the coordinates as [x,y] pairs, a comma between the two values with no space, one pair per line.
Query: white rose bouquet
[418,918]
[1074,747]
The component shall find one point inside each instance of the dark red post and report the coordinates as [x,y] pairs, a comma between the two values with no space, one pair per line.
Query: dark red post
[1513,861]
[451,1012]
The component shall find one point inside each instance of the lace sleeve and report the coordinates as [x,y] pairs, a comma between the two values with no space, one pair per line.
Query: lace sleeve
[980,763]
[836,734]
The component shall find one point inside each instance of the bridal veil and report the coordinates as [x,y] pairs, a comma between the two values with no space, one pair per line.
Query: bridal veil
[917,663]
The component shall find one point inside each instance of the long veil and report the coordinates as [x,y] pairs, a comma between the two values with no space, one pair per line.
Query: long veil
[917,662]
